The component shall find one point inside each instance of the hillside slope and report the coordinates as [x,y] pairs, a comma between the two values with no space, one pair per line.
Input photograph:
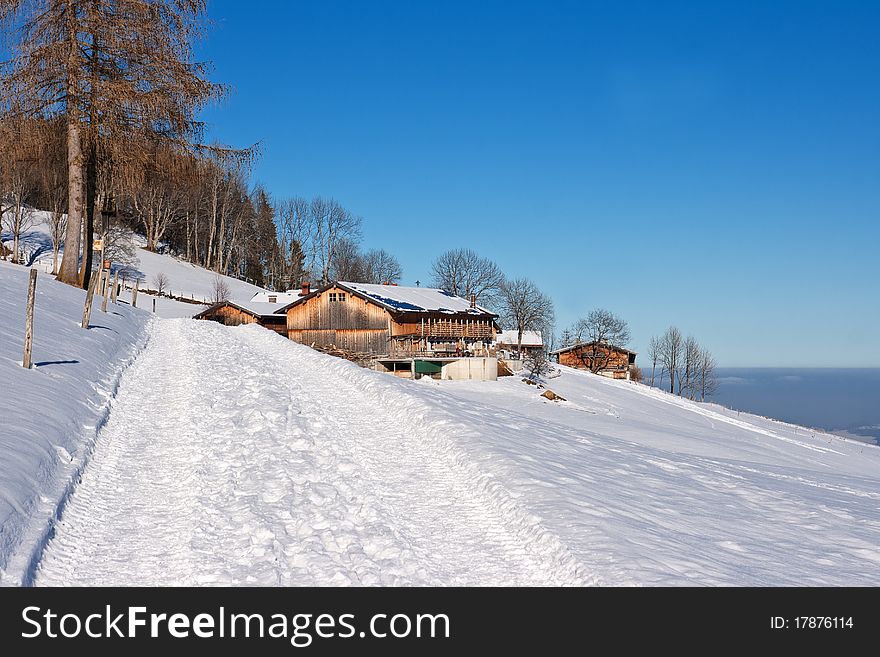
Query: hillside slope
[184,279]
[235,456]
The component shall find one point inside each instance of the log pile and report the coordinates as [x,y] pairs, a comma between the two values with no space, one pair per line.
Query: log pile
[361,358]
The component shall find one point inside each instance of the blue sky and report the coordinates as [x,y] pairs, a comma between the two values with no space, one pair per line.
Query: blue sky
[710,165]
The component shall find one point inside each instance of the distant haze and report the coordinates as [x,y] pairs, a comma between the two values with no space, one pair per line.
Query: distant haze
[832,399]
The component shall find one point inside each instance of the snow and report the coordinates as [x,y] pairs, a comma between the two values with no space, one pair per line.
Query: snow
[529,338]
[414,299]
[208,473]
[184,278]
[189,280]
[235,456]
[49,415]
[281,298]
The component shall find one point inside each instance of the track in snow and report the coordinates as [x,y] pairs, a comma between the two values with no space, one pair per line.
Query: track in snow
[236,457]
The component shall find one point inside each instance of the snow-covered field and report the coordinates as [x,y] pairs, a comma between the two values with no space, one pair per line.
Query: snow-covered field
[233,456]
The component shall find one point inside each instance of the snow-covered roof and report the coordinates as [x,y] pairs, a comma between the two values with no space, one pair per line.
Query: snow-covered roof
[529,338]
[415,299]
[253,307]
[281,298]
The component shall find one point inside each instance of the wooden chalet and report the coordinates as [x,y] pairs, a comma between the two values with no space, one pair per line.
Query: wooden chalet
[598,357]
[231,313]
[391,321]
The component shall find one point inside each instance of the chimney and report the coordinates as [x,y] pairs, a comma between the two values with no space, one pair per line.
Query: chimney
[473,301]
[305,289]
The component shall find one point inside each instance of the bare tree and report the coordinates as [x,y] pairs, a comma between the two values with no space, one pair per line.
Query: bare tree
[219,290]
[671,354]
[160,282]
[654,349]
[331,224]
[119,246]
[537,364]
[114,72]
[464,273]
[601,327]
[157,199]
[525,307]
[706,379]
[567,338]
[294,237]
[53,190]
[20,144]
[348,263]
[382,267]
[690,364]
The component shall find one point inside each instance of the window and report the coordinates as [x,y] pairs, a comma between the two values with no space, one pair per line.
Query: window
[273,299]
[341,296]
[333,297]
[337,296]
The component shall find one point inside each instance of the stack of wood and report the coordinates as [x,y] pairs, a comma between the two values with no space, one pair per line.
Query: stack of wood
[361,358]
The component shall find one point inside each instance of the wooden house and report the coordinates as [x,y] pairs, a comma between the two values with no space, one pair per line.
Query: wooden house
[390,320]
[231,313]
[508,342]
[598,357]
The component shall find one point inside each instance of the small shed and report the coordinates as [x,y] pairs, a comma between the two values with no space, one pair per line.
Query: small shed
[508,342]
[599,357]
[230,313]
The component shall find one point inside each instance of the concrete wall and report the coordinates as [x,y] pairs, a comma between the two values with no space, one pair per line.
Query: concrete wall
[471,369]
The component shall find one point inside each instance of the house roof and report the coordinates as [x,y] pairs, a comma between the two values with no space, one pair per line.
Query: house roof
[529,338]
[592,344]
[396,298]
[282,297]
[254,308]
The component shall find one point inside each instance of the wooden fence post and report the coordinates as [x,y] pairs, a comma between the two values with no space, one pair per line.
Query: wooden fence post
[115,286]
[134,294]
[154,304]
[29,321]
[87,310]
[106,290]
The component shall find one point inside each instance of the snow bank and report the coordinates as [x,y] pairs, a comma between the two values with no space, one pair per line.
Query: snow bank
[49,415]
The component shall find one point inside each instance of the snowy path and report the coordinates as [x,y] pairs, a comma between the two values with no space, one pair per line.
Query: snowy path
[230,458]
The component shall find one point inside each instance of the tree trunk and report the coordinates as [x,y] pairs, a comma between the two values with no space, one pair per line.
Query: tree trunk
[16,231]
[89,232]
[69,272]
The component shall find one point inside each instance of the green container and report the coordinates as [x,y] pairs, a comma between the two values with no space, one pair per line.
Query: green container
[427,367]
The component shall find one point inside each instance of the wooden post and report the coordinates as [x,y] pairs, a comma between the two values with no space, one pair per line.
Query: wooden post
[105,290]
[115,287]
[29,321]
[90,295]
[154,304]
[134,293]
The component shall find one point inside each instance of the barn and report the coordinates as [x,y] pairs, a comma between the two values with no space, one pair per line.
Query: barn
[598,357]
[231,313]
[391,321]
